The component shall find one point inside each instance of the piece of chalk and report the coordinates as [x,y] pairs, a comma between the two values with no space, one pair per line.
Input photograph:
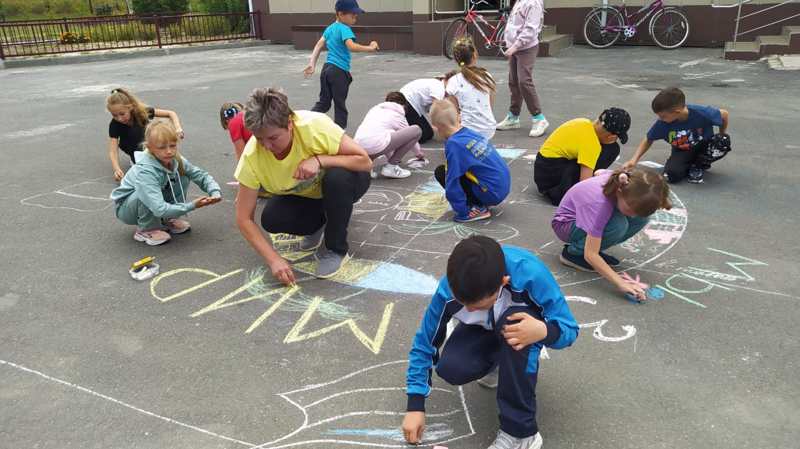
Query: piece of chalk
[632,298]
[439,447]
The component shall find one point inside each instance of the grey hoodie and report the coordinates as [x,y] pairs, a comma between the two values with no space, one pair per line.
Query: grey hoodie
[158,188]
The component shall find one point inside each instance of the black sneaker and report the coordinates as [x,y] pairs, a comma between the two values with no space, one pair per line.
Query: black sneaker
[610,260]
[576,262]
[695,175]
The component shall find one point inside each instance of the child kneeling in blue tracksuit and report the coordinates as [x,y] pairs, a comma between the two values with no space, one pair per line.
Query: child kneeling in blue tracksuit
[509,307]
[475,176]
[152,195]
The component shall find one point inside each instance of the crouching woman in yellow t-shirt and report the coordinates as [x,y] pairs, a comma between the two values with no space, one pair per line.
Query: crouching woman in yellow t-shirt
[314,174]
[576,149]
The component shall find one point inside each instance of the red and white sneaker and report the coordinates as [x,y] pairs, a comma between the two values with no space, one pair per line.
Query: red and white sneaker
[153,237]
[177,226]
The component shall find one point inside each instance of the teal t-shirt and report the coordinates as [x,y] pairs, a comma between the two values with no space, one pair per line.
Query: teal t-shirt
[335,36]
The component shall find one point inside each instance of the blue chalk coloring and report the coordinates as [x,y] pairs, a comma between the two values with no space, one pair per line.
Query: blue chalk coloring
[655,293]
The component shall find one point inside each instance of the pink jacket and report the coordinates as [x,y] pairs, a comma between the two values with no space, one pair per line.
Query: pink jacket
[524,24]
[381,121]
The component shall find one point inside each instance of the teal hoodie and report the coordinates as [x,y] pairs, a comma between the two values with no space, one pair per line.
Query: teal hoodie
[158,188]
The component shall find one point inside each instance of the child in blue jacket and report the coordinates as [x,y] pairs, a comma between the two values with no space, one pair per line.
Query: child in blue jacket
[475,176]
[509,307]
[152,195]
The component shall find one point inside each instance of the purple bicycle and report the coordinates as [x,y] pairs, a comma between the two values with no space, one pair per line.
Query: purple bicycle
[668,26]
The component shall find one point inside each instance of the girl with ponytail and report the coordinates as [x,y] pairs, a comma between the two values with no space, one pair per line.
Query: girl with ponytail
[129,118]
[474,88]
[604,211]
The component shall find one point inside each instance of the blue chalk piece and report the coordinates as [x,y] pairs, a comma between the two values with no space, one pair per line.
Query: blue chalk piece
[632,298]
[655,293]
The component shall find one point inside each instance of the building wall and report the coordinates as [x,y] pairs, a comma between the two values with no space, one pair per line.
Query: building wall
[709,26]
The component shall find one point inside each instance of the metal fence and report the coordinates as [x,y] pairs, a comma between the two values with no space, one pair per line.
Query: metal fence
[43,37]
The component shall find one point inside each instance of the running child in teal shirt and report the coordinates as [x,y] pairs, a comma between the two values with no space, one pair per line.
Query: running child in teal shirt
[335,77]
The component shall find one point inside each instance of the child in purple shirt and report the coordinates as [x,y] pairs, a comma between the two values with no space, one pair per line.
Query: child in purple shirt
[604,211]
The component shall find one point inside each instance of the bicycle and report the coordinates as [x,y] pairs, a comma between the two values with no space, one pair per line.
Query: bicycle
[603,26]
[462,27]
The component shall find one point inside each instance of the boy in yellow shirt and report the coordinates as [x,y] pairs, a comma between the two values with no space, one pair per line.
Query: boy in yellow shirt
[576,149]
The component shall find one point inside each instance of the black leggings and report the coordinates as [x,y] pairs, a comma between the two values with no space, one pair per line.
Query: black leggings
[415,119]
[466,185]
[334,84]
[297,215]
[554,176]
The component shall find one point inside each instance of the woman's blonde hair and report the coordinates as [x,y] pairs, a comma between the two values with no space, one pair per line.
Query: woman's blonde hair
[464,54]
[120,96]
[160,132]
[645,191]
[227,111]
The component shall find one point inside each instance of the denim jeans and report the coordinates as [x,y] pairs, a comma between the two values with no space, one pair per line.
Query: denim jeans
[618,229]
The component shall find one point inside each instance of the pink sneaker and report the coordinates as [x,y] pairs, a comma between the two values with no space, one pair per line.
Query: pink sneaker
[153,237]
[177,226]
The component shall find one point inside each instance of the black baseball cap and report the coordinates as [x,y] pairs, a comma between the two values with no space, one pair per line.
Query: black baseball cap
[616,121]
[348,6]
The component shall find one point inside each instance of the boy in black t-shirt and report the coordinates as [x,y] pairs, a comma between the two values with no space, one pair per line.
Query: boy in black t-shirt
[689,129]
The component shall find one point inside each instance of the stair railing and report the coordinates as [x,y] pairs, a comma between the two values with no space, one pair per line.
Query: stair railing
[740,17]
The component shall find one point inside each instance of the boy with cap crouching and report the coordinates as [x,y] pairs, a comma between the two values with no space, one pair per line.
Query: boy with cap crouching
[576,149]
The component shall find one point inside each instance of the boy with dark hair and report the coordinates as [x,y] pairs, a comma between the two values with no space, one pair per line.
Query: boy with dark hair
[509,307]
[335,77]
[475,176]
[576,149]
[689,129]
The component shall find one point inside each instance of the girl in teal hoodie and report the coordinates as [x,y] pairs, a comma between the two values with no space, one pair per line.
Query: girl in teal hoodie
[152,195]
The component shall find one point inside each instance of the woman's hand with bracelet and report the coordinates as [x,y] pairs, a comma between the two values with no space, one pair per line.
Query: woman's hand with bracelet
[308,169]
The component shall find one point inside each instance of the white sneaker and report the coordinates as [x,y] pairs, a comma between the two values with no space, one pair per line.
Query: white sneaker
[539,127]
[506,441]
[153,237]
[394,171]
[510,122]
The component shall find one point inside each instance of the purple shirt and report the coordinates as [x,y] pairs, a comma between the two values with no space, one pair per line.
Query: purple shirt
[586,206]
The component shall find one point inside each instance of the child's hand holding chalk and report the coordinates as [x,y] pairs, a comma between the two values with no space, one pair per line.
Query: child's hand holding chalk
[414,426]
[634,289]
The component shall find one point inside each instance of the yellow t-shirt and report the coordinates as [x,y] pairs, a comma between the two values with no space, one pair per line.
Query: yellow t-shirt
[575,139]
[313,133]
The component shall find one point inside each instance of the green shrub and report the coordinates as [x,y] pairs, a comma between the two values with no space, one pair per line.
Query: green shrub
[144,7]
[214,6]
[39,8]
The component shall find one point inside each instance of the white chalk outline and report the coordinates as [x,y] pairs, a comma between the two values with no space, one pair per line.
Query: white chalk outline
[122,403]
[304,410]
[59,191]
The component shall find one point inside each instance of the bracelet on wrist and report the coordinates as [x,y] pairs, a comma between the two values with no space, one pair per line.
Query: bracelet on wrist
[318,161]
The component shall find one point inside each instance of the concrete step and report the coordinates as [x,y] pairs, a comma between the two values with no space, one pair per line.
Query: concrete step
[791,29]
[553,44]
[547,31]
[773,40]
[746,51]
[793,34]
